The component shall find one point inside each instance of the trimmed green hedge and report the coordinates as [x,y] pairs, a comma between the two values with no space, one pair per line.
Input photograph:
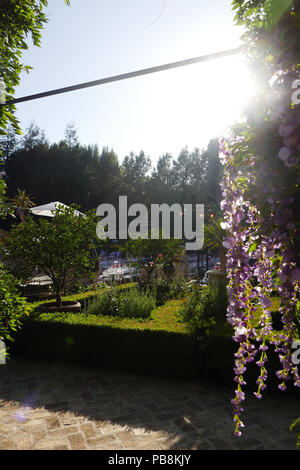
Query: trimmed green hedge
[155,352]
[82,297]
[145,351]
[161,345]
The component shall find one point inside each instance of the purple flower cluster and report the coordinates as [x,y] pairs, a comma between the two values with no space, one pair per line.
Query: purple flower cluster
[261,249]
[241,307]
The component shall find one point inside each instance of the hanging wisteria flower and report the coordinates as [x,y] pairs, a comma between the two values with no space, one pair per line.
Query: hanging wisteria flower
[260,189]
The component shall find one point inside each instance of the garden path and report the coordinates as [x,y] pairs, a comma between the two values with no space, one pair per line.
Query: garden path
[66,406]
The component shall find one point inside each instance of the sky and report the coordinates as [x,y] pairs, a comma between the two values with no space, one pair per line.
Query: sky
[157,113]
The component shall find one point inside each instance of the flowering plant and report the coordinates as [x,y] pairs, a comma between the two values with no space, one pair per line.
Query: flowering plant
[261,197]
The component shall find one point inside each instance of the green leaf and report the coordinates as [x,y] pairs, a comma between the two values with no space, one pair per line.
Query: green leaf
[252,247]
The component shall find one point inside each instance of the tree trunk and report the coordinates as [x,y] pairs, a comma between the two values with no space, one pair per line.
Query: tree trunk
[21,214]
[58,298]
[222,254]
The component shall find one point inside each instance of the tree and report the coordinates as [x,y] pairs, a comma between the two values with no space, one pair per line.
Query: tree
[18,20]
[34,138]
[8,143]
[182,171]
[54,173]
[104,177]
[22,202]
[60,249]
[149,254]
[134,172]
[160,186]
[71,137]
[213,173]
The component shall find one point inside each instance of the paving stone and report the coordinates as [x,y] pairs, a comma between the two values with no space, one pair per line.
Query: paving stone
[89,430]
[185,425]
[127,438]
[52,422]
[38,432]
[23,443]
[87,396]
[76,441]
[61,447]
[8,428]
[40,414]
[8,444]
[67,418]
[167,417]
[64,431]
[102,440]
[80,407]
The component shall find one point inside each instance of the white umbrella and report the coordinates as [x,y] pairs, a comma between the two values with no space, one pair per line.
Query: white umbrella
[49,210]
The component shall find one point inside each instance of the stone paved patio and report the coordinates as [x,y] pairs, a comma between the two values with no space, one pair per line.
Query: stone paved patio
[63,406]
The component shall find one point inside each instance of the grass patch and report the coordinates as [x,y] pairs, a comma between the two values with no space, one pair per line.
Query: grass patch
[165,317]
[162,318]
[82,296]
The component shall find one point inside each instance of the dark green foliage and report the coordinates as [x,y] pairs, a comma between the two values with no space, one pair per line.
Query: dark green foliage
[204,308]
[76,288]
[199,311]
[151,352]
[18,21]
[58,172]
[130,304]
[220,300]
[151,253]
[73,173]
[169,289]
[12,305]
[60,249]
[144,351]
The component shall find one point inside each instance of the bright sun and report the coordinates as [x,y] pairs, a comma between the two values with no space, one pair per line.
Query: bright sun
[190,105]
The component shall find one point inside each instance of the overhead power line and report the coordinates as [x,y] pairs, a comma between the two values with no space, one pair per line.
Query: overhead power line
[125,76]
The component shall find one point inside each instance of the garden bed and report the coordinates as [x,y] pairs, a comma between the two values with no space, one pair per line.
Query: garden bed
[159,345]
[83,297]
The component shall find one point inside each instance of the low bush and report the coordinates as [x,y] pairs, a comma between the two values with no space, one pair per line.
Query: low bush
[198,311]
[130,304]
[167,289]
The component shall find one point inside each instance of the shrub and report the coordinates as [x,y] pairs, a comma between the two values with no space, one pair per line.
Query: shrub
[165,289]
[113,302]
[12,306]
[145,351]
[136,304]
[199,311]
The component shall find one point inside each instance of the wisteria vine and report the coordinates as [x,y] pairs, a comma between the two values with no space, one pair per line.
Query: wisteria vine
[261,180]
